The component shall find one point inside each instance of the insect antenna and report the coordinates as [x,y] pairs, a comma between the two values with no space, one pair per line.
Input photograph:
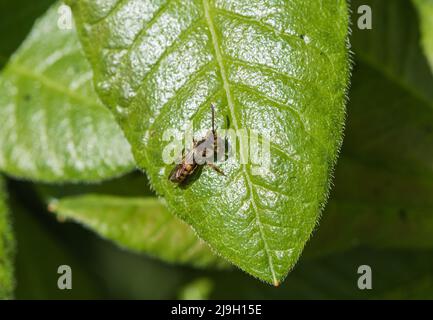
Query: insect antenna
[215,142]
[213,119]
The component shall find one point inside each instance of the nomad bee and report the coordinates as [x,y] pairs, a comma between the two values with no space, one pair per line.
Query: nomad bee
[205,149]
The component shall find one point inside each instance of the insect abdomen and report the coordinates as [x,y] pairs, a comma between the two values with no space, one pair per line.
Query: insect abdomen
[183,172]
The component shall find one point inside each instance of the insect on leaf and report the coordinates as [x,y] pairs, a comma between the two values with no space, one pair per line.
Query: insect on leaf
[278,68]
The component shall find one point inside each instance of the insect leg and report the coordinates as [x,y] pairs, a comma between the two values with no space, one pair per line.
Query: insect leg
[216,168]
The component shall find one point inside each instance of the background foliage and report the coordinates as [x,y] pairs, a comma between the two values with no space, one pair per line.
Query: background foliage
[379,211]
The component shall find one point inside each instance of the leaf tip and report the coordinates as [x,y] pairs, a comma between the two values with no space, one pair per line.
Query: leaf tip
[52,206]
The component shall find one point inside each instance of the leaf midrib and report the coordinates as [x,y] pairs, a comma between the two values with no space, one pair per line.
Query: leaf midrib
[51,84]
[219,58]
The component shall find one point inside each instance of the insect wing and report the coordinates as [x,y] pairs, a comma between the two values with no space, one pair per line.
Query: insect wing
[174,173]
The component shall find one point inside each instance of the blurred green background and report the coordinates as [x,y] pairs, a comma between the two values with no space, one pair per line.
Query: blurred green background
[379,213]
[102,270]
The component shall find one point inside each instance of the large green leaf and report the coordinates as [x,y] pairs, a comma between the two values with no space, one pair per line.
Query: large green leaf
[101,270]
[425,10]
[277,67]
[53,126]
[138,224]
[7,281]
[126,205]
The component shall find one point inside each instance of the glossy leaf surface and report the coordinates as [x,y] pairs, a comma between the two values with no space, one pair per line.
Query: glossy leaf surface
[278,68]
[53,126]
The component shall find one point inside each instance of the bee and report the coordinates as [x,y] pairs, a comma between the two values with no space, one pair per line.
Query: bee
[205,148]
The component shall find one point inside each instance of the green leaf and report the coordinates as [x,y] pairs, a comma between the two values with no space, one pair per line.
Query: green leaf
[7,246]
[139,224]
[54,127]
[280,69]
[425,10]
[101,269]
[43,247]
[199,289]
[123,192]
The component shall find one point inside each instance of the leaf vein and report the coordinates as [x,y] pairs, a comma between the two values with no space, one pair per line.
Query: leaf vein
[50,84]
[206,67]
[143,31]
[263,67]
[298,114]
[112,11]
[170,49]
